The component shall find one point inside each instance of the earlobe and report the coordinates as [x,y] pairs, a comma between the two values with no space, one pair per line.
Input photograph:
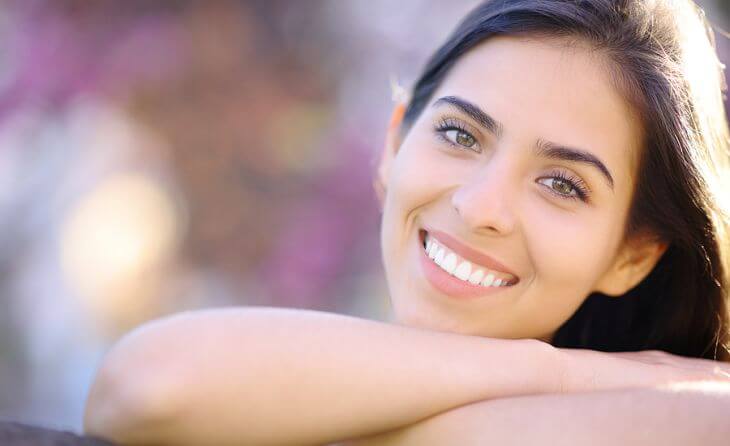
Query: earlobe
[635,261]
[390,148]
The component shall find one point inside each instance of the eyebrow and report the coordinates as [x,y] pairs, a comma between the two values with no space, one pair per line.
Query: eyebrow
[543,148]
[547,149]
[474,112]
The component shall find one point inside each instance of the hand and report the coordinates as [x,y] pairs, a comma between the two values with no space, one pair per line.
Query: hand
[584,371]
[589,370]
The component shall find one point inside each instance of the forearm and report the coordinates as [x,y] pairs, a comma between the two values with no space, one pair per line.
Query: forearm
[695,413]
[275,376]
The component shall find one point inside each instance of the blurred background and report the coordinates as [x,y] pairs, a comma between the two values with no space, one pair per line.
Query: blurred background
[158,156]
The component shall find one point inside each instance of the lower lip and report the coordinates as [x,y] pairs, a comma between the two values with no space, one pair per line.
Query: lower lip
[448,284]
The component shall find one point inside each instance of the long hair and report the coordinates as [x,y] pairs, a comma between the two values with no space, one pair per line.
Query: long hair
[662,58]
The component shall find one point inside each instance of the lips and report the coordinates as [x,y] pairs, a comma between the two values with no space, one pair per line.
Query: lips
[467,252]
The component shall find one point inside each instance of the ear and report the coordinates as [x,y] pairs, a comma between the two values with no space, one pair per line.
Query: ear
[633,263]
[390,148]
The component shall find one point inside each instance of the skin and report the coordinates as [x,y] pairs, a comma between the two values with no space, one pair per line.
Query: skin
[274,376]
[490,199]
[624,416]
[498,197]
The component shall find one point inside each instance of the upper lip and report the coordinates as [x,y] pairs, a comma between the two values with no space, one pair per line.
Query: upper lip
[468,253]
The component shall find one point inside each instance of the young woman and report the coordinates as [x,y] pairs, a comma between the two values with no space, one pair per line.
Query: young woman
[552,195]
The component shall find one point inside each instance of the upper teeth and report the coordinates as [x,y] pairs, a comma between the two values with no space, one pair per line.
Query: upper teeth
[463,269]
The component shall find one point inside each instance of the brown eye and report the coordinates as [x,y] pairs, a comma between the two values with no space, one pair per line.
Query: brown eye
[460,137]
[565,186]
[562,186]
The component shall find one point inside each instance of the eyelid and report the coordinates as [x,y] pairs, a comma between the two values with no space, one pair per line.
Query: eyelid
[584,192]
[474,130]
[447,124]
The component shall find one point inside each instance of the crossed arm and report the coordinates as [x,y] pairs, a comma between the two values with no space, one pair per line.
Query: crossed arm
[687,414]
[274,376]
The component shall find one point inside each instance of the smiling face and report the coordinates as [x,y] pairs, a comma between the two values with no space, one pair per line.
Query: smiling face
[523,165]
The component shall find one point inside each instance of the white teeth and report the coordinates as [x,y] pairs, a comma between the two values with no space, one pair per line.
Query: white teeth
[432,250]
[476,277]
[439,258]
[449,263]
[463,271]
[488,280]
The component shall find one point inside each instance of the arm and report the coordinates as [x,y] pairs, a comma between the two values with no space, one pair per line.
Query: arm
[691,413]
[275,376]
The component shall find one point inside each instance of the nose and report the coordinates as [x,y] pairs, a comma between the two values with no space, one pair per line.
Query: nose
[485,202]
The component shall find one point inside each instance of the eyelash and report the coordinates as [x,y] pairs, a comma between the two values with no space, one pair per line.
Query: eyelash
[446,124]
[581,190]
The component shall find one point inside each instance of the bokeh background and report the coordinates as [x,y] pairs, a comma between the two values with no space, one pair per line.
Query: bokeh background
[158,156]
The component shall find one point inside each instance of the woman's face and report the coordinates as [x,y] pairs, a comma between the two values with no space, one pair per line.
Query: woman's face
[521,168]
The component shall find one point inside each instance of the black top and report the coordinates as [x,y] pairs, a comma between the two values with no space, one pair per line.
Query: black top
[18,434]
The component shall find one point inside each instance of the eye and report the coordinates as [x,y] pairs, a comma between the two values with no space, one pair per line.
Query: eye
[565,186]
[454,132]
[461,137]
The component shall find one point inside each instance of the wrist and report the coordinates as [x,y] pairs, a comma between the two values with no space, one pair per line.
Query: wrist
[592,370]
[552,367]
[527,367]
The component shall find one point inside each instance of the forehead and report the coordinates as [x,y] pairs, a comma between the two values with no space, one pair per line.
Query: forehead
[552,89]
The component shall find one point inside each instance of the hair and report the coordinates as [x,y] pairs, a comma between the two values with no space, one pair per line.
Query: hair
[661,56]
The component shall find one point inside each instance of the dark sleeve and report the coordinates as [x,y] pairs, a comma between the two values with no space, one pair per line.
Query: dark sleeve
[18,434]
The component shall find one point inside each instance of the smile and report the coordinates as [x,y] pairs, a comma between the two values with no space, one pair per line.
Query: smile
[463,269]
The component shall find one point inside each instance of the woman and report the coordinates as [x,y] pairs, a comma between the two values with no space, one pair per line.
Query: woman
[554,182]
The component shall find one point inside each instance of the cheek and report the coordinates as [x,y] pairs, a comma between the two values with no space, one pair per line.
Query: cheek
[571,250]
[415,177]
[408,187]
[418,177]
[423,172]
[568,253]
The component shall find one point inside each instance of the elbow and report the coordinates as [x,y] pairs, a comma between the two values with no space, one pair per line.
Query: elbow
[130,399]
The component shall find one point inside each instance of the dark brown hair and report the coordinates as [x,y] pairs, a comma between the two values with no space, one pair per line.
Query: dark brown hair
[662,57]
